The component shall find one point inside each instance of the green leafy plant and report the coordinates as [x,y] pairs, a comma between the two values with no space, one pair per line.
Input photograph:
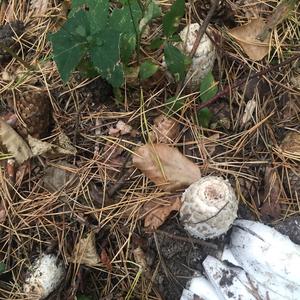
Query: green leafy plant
[93,38]
[208,89]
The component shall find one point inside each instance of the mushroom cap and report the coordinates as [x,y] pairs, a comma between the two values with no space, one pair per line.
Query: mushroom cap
[204,57]
[44,277]
[209,207]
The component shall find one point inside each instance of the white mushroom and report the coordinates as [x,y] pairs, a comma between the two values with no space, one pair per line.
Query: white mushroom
[209,207]
[204,58]
[44,277]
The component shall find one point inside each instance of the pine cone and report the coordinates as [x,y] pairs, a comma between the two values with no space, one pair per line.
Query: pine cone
[221,15]
[7,34]
[33,110]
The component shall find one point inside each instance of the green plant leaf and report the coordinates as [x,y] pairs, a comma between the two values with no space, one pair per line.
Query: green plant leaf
[2,267]
[171,20]
[173,106]
[98,14]
[156,43]
[105,55]
[126,19]
[147,69]
[204,116]
[208,87]
[127,46]
[152,11]
[176,61]
[69,48]
[82,297]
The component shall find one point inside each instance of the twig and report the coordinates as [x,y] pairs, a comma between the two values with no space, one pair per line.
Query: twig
[229,88]
[187,239]
[202,29]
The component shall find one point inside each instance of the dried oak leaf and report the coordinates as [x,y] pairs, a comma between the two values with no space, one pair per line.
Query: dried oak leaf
[169,169]
[271,209]
[246,36]
[157,213]
[290,145]
[164,130]
[85,251]
[14,143]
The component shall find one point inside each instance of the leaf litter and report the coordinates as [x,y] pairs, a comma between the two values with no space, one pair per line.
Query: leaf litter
[116,174]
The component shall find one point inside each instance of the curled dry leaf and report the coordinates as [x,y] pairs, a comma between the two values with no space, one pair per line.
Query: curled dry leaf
[158,212]
[14,143]
[271,207]
[85,251]
[64,146]
[164,130]
[246,36]
[140,258]
[169,169]
[121,128]
[57,177]
[249,109]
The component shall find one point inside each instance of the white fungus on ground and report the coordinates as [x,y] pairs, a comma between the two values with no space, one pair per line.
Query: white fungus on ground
[209,207]
[204,57]
[44,277]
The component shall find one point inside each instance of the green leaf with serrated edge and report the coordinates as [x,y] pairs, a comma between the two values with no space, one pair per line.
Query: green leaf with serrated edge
[151,12]
[208,87]
[176,61]
[68,48]
[173,106]
[171,20]
[204,117]
[105,55]
[126,19]
[156,43]
[127,46]
[147,69]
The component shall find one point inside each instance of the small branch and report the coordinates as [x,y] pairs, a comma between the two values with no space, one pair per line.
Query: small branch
[239,83]
[187,239]
[202,29]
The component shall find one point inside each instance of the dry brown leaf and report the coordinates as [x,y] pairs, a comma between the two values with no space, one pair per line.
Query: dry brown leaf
[280,13]
[39,7]
[121,128]
[105,260]
[158,213]
[14,143]
[169,169]
[164,130]
[140,258]
[271,207]
[85,251]
[249,109]
[246,37]
[64,146]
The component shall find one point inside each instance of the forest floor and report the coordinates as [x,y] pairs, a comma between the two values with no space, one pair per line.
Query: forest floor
[82,199]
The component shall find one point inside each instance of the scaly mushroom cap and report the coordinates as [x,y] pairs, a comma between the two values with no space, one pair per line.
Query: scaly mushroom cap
[209,207]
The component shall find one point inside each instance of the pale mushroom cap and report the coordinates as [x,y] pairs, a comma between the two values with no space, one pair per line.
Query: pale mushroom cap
[204,58]
[44,277]
[209,207]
